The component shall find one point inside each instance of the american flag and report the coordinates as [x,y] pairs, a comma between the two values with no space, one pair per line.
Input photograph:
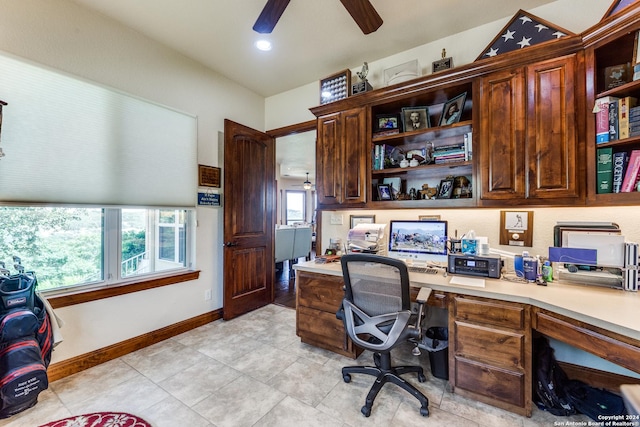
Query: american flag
[522,31]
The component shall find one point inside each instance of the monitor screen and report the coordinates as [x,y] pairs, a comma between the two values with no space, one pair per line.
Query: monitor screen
[419,241]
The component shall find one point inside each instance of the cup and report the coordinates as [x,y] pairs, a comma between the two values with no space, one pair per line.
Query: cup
[518,266]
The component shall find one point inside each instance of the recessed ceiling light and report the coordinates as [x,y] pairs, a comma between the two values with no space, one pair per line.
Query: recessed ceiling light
[264,45]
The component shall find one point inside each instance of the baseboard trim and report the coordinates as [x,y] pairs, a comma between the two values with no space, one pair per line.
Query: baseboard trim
[79,363]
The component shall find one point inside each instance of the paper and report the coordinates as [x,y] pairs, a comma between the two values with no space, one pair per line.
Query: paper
[467,281]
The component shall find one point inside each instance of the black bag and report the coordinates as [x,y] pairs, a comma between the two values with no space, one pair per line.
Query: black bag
[17,291]
[594,402]
[24,376]
[550,381]
[44,334]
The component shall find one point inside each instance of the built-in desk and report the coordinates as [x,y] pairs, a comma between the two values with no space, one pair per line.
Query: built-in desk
[490,328]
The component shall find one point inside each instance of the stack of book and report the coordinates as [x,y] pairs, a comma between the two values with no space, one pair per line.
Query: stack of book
[616,118]
[618,172]
[452,153]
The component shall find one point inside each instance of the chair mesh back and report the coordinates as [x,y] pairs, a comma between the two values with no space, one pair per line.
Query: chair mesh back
[375,287]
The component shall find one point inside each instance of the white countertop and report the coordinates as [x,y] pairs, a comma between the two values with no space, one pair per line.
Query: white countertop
[611,309]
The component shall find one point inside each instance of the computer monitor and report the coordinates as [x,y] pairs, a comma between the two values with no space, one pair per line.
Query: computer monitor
[418,242]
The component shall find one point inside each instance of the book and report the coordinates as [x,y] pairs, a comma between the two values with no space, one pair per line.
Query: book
[604,158]
[631,172]
[620,160]
[613,121]
[468,145]
[601,110]
[624,105]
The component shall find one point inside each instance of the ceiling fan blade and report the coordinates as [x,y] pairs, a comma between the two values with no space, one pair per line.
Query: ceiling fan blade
[270,15]
[364,14]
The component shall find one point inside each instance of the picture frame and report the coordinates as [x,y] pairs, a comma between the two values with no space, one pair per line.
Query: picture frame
[445,189]
[384,192]
[361,219]
[415,118]
[387,122]
[208,176]
[335,87]
[450,117]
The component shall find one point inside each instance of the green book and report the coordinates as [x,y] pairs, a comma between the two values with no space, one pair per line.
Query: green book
[604,170]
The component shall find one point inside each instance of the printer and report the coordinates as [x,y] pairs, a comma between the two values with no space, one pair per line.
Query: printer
[367,238]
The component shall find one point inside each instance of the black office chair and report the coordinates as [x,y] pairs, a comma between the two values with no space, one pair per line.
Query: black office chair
[377,316]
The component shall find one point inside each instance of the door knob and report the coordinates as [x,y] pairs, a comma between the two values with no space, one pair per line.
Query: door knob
[229,244]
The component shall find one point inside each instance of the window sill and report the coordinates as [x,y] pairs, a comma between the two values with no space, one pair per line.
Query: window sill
[113,291]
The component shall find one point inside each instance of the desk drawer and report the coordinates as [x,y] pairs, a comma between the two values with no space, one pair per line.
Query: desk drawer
[320,291]
[490,382]
[490,312]
[493,346]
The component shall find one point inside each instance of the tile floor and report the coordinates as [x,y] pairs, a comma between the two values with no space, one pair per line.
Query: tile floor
[253,371]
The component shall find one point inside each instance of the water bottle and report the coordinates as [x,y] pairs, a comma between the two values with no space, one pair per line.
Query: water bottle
[547,272]
[530,267]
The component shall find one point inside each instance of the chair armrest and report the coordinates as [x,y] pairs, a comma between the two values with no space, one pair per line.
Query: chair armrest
[423,295]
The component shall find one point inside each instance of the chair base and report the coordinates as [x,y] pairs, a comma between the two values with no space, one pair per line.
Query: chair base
[384,373]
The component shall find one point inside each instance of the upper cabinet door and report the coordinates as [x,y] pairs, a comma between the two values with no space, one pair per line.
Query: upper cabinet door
[552,154]
[328,161]
[341,158]
[502,127]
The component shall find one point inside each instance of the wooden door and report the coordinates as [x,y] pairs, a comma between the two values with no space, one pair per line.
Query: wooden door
[502,130]
[249,209]
[551,129]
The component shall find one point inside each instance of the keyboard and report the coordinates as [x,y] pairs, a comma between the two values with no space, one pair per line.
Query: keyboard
[426,270]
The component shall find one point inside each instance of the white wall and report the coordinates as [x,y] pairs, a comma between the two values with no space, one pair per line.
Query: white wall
[64,36]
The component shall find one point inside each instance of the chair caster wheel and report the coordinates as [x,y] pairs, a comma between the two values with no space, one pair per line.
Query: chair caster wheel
[366,411]
[424,412]
[422,378]
[346,378]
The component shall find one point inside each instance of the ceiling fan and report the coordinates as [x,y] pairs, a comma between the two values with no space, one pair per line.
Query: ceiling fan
[360,10]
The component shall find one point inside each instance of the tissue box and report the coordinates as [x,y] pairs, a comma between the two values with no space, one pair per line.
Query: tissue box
[470,246]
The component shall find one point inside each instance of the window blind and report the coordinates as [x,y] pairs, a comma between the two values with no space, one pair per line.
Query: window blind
[70,141]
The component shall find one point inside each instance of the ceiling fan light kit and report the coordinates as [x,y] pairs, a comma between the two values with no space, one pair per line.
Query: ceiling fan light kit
[361,11]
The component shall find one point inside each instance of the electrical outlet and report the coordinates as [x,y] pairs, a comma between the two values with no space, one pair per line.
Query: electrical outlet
[336,219]
[207,295]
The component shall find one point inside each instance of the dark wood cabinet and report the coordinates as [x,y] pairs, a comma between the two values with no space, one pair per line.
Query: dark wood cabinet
[490,352]
[529,147]
[341,161]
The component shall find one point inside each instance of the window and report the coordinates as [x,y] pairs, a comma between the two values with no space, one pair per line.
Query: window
[80,247]
[295,206]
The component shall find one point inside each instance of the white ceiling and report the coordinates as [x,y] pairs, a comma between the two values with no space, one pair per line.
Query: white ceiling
[312,40]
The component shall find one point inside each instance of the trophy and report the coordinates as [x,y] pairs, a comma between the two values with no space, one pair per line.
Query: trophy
[363,85]
[442,64]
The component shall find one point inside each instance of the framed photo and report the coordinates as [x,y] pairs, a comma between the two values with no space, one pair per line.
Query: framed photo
[385,122]
[452,110]
[208,176]
[445,189]
[415,118]
[335,87]
[362,219]
[384,192]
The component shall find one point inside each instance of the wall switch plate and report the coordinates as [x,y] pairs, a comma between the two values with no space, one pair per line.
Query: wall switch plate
[336,219]
[207,295]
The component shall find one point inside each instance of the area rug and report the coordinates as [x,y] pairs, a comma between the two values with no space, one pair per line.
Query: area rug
[100,419]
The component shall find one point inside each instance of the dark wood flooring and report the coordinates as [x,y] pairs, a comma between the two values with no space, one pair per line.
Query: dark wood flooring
[285,285]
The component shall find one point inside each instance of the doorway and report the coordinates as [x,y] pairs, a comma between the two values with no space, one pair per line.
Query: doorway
[295,163]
